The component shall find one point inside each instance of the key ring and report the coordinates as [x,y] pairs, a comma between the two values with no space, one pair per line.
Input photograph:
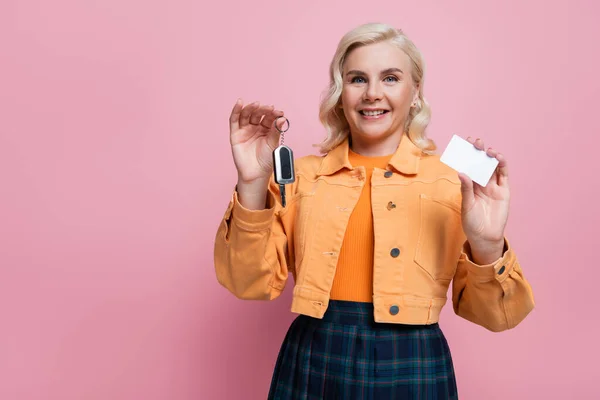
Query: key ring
[281,137]
[288,124]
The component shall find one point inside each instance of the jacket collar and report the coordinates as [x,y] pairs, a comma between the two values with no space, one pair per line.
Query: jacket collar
[405,159]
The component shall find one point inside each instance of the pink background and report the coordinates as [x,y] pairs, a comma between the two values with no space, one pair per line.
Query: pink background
[115,171]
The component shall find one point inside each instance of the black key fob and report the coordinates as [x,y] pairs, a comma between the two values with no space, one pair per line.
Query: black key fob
[283,165]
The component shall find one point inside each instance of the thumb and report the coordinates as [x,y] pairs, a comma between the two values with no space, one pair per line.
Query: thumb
[466,188]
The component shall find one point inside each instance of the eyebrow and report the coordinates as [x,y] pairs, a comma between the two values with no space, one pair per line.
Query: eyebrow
[385,71]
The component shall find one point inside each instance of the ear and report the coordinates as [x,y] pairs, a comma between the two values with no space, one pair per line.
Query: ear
[415,95]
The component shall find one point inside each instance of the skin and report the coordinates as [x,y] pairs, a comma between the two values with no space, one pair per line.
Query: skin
[376,77]
[485,209]
[253,138]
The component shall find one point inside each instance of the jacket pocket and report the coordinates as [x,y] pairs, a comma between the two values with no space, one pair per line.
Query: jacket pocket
[440,237]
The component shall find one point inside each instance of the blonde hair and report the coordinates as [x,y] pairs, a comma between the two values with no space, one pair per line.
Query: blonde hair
[330,114]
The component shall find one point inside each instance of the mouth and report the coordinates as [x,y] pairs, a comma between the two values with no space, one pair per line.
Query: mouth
[370,114]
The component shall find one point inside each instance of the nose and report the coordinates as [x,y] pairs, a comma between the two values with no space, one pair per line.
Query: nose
[373,92]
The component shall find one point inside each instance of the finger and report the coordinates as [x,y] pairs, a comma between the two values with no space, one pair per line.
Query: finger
[491,152]
[502,170]
[471,140]
[479,144]
[466,189]
[269,119]
[234,118]
[283,124]
[246,113]
[258,114]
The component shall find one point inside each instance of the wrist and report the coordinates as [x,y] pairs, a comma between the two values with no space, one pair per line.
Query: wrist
[253,195]
[255,185]
[486,253]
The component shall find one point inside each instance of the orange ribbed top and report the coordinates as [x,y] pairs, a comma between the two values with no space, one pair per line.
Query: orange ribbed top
[353,279]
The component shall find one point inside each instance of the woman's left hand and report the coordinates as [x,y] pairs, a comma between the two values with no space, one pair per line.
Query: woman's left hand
[485,210]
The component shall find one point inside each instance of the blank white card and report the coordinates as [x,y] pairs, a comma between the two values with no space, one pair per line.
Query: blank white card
[463,157]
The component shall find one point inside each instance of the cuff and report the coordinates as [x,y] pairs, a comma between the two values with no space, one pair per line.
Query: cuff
[250,220]
[499,270]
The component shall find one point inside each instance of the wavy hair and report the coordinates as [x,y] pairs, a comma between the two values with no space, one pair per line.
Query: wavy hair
[330,114]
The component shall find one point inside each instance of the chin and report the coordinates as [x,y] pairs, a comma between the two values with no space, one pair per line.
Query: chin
[374,132]
[377,134]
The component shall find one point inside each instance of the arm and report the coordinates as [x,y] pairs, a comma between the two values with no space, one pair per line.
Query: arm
[496,296]
[250,252]
[250,245]
[493,293]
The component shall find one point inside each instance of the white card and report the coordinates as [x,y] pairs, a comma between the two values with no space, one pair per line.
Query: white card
[463,157]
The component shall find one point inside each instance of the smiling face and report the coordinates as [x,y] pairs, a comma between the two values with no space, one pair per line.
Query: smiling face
[377,95]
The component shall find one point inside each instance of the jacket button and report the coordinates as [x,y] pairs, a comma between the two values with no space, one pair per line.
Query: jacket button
[391,205]
[501,270]
[395,252]
[394,310]
[388,174]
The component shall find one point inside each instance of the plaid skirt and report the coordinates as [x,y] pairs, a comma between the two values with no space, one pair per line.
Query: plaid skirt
[346,355]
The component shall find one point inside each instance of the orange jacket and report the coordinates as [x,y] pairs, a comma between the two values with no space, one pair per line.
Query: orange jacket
[420,246]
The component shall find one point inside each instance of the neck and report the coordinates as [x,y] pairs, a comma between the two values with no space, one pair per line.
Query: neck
[374,147]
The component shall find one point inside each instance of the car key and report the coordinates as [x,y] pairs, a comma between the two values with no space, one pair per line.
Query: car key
[283,162]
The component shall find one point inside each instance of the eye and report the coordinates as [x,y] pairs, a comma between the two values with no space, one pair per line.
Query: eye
[391,78]
[357,79]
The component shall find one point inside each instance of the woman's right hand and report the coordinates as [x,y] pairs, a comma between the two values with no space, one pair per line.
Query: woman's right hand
[253,138]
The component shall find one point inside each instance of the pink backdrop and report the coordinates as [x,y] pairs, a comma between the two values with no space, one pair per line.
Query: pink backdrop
[115,171]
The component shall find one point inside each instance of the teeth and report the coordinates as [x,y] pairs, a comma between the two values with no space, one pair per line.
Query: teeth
[373,113]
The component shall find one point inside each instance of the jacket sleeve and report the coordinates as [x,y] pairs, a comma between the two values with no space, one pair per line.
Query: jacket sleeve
[496,296]
[250,253]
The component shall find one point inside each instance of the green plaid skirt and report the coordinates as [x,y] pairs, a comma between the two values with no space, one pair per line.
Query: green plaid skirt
[347,356]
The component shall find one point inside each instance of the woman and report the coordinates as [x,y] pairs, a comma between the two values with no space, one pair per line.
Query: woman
[373,233]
